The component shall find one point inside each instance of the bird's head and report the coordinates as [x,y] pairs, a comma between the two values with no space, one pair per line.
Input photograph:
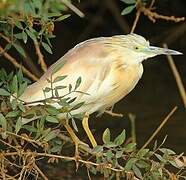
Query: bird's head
[137,48]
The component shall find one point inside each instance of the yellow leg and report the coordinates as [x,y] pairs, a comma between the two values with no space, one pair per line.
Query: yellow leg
[75,139]
[87,130]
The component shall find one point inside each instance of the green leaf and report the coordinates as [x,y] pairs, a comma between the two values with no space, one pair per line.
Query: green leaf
[47,47]
[142,164]
[60,87]
[19,49]
[52,119]
[109,155]
[18,36]
[74,124]
[47,89]
[56,148]
[110,145]
[59,78]
[20,77]
[97,149]
[129,1]
[137,171]
[19,25]
[70,87]
[3,124]
[93,170]
[141,153]
[106,136]
[50,135]
[63,102]
[18,125]
[53,14]
[7,47]
[12,114]
[160,157]
[78,82]
[168,151]
[3,92]
[119,140]
[14,85]
[61,18]
[72,100]
[21,107]
[52,111]
[31,35]
[22,88]
[56,93]
[29,128]
[37,4]
[77,106]
[127,10]
[24,36]
[14,104]
[119,154]
[130,163]
[130,147]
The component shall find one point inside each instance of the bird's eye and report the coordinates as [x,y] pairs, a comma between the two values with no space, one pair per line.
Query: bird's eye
[136,48]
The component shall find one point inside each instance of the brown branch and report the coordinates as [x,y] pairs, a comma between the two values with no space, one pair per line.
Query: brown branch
[68,158]
[73,8]
[27,59]
[138,13]
[153,16]
[40,172]
[23,137]
[159,128]
[177,77]
[41,60]
[16,64]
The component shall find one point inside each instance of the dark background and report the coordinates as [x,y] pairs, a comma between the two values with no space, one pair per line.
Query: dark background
[156,93]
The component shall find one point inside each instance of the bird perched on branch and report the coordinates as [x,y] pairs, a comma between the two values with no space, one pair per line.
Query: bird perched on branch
[108,67]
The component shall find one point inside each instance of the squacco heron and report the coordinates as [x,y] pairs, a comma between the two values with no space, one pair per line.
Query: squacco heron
[109,67]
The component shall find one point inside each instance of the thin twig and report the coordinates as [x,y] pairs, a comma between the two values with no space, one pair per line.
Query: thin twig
[16,64]
[138,13]
[177,77]
[73,8]
[132,118]
[40,172]
[26,59]
[159,128]
[68,158]
[154,15]
[41,60]
[113,114]
[22,137]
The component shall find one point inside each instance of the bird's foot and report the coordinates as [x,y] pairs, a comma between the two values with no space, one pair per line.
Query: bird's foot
[88,131]
[113,114]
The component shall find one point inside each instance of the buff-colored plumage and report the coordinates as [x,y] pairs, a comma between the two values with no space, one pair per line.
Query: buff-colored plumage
[109,67]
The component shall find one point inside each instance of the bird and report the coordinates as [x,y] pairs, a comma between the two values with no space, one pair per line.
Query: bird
[108,67]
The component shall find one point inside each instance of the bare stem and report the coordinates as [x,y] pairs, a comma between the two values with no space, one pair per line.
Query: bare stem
[177,77]
[16,64]
[73,8]
[159,128]
[41,60]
